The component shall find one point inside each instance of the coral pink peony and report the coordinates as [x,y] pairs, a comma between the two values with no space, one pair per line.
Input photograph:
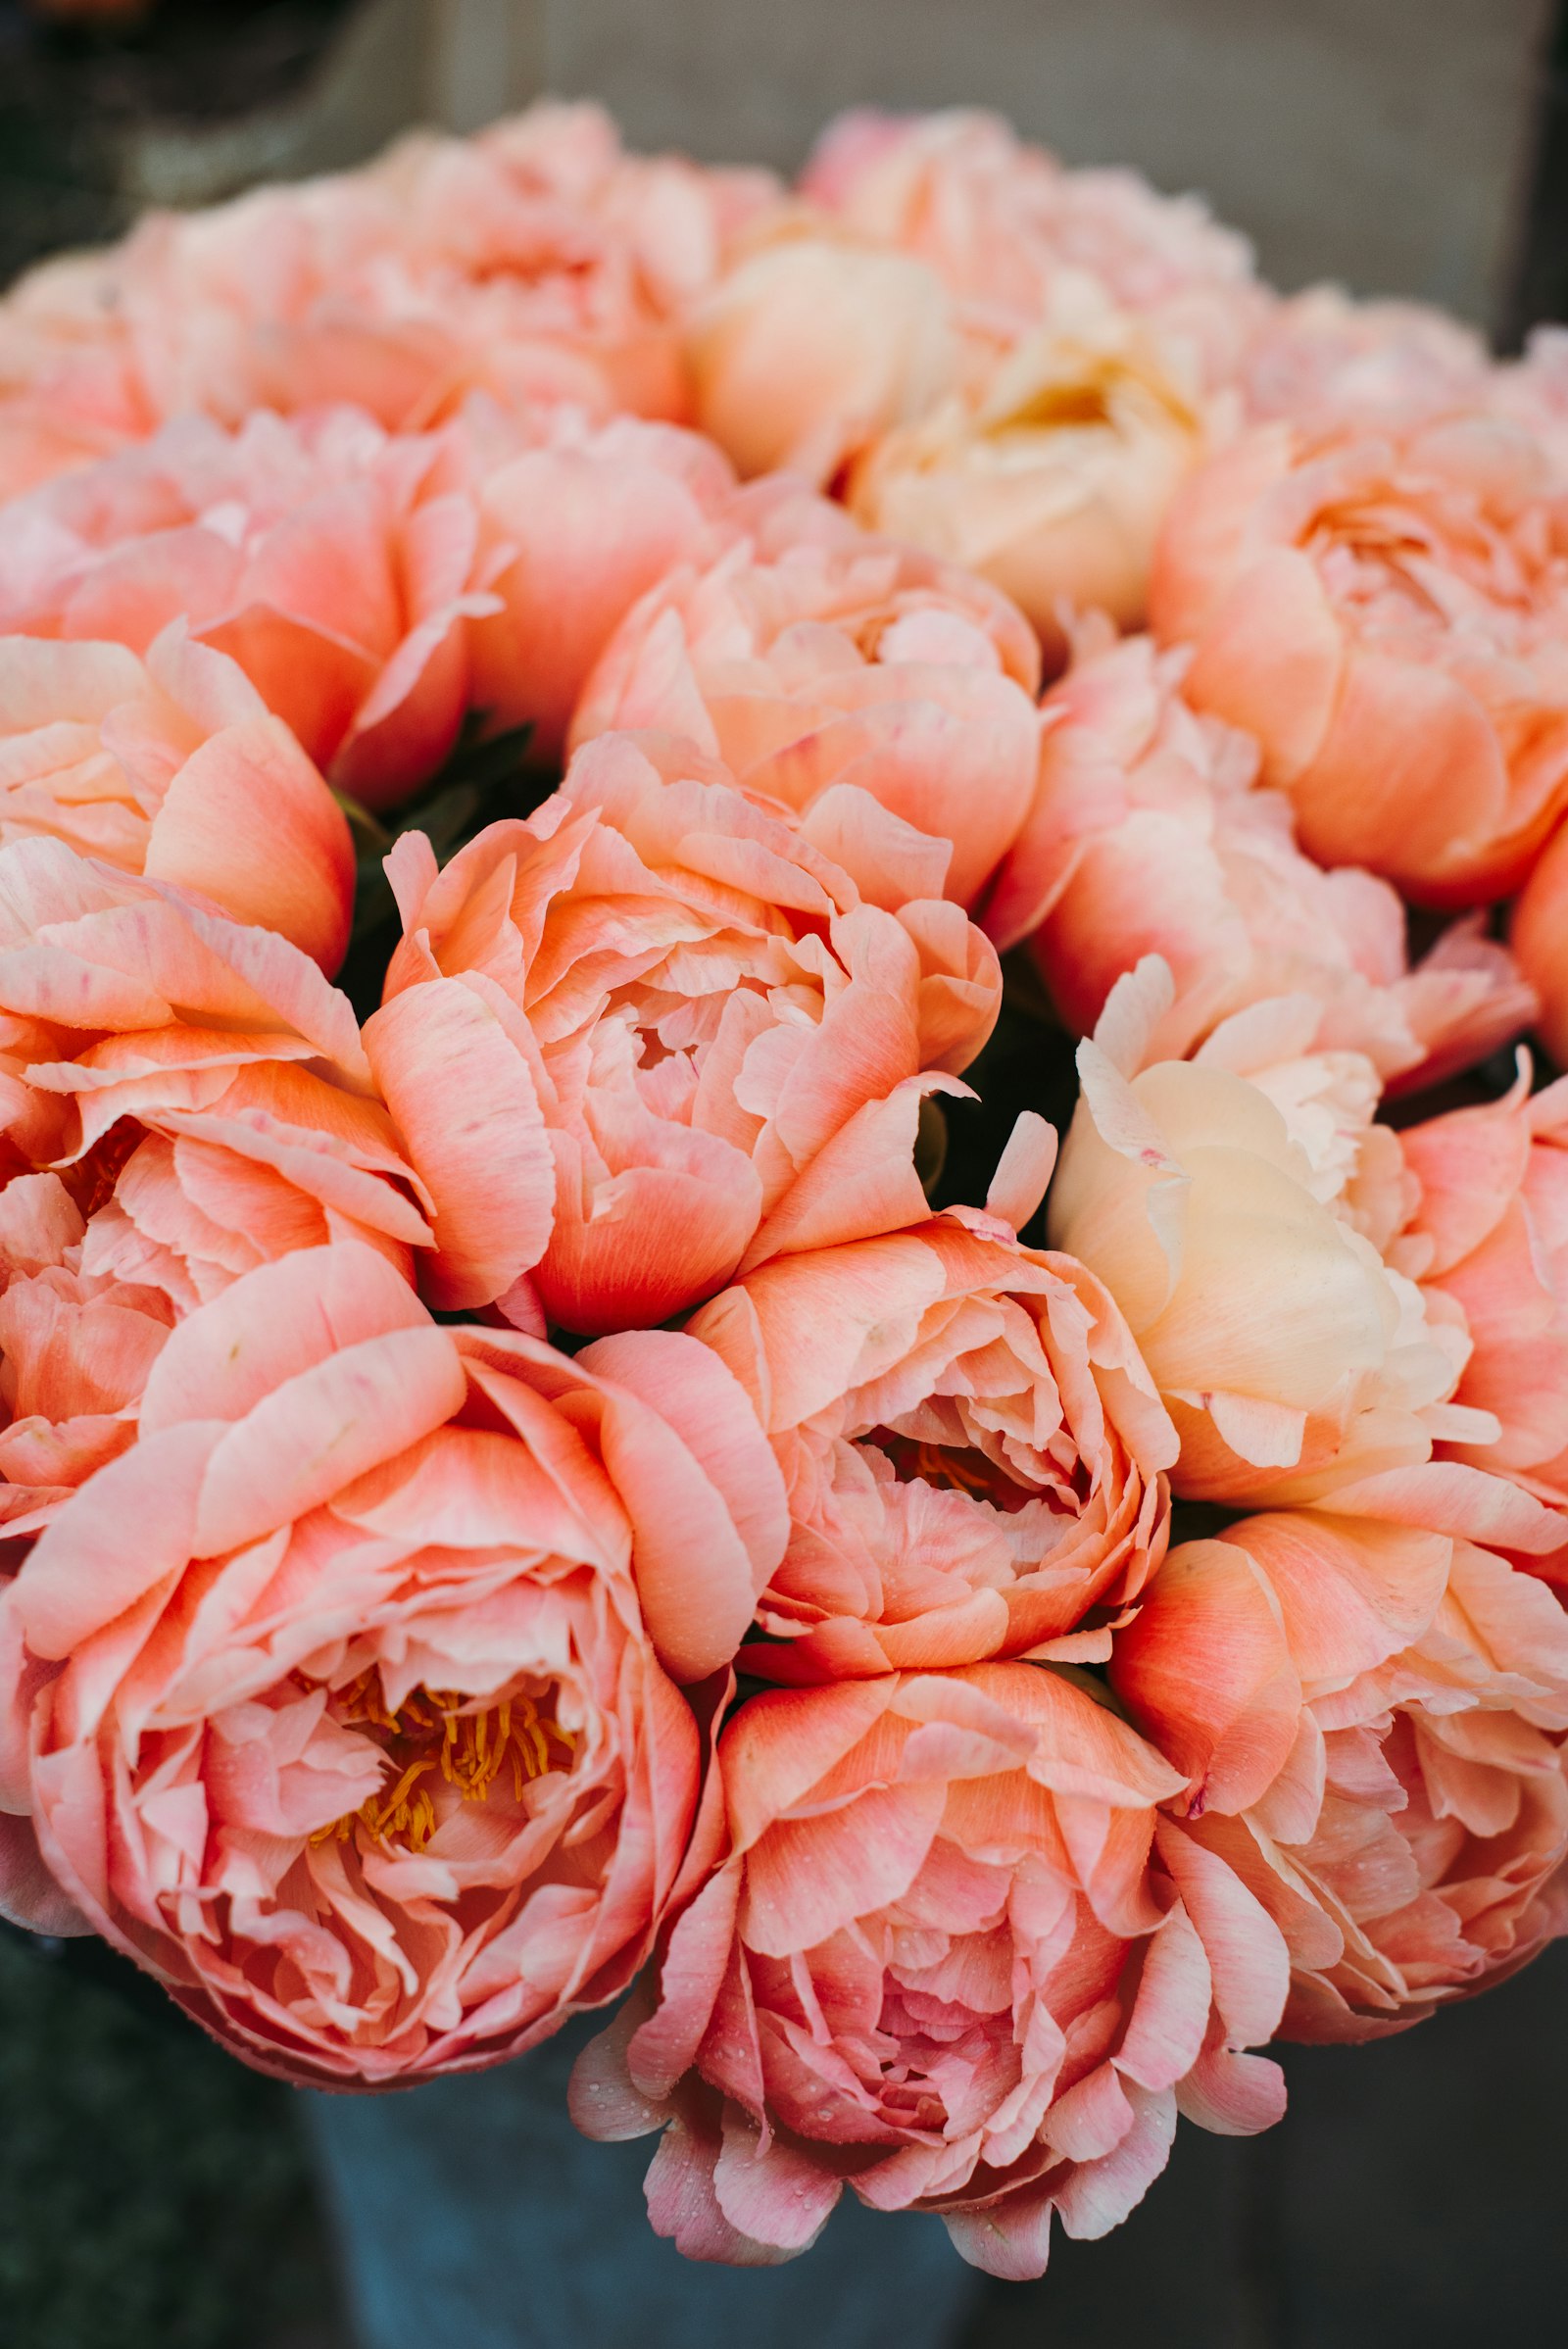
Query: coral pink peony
[375,587]
[579,520]
[1533,390]
[362,1748]
[1325,362]
[1488,1233]
[1539,936]
[338,564]
[205,1096]
[973,1448]
[119,993]
[812,346]
[512,263]
[1002,224]
[182,1101]
[172,767]
[76,1348]
[1290,1355]
[173,1205]
[937,1966]
[69,388]
[537,261]
[840,658]
[1146,837]
[1387,615]
[709,1039]
[1051,478]
[1370,1715]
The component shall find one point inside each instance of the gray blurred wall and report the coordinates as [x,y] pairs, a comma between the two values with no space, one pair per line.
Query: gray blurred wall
[1385,142]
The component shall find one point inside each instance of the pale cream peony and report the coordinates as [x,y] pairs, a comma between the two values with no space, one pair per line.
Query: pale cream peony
[1293,1360]
[1052,480]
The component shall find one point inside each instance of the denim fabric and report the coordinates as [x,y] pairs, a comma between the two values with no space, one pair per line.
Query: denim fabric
[470,2212]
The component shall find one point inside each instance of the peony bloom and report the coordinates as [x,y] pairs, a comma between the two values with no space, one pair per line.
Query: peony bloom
[374,587]
[340,566]
[182,1100]
[840,658]
[1002,222]
[937,1966]
[1386,616]
[121,994]
[1533,390]
[363,1749]
[1370,1716]
[1539,936]
[1053,479]
[710,1039]
[205,1096]
[1489,1234]
[172,766]
[76,1348]
[973,1451]
[1146,837]
[578,522]
[1290,1356]
[814,345]
[1326,363]
[69,389]
[165,1211]
[512,263]
[536,261]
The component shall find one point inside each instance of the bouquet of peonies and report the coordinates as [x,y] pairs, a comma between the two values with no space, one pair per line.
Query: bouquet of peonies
[609,1452]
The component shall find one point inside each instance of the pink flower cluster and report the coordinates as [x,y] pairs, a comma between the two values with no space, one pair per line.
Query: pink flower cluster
[589,1459]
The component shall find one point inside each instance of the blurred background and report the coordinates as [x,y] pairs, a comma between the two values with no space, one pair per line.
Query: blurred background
[152,2194]
[1402,146]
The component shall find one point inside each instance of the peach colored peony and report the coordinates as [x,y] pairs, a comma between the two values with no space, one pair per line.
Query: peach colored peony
[1370,1715]
[1488,1233]
[938,1966]
[1146,837]
[713,1027]
[362,1748]
[76,1348]
[340,565]
[168,1210]
[182,1100]
[578,522]
[1533,390]
[1053,477]
[1386,616]
[171,766]
[375,587]
[973,1449]
[537,261]
[840,658]
[205,1098]
[70,390]
[1538,933]
[1001,224]
[1290,1357]
[119,993]
[812,346]
[1326,363]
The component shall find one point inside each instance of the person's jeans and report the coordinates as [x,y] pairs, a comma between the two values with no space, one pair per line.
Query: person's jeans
[469,2211]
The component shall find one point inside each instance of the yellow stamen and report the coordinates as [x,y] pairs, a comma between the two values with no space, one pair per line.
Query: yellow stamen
[431,1730]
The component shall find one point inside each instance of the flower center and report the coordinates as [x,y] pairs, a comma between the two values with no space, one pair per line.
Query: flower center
[92,1178]
[952,1468]
[430,1738]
